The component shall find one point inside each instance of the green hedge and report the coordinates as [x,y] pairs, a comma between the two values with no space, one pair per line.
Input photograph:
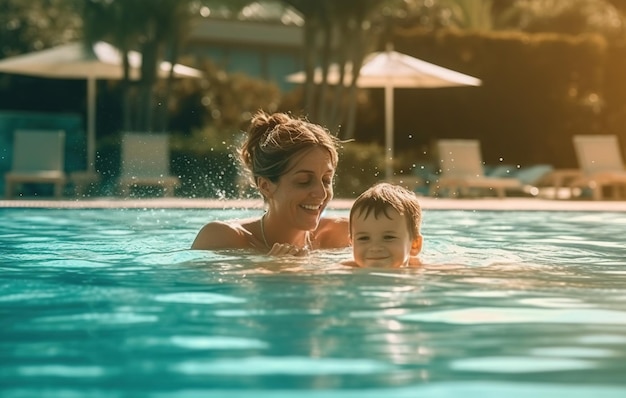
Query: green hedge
[360,166]
[210,175]
[214,171]
[538,91]
[205,171]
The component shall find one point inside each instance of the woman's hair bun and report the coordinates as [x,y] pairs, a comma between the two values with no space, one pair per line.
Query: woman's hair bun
[262,122]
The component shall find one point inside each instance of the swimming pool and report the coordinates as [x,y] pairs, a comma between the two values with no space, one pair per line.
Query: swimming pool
[109,303]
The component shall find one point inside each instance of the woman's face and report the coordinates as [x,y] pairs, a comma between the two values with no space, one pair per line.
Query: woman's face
[383,241]
[302,193]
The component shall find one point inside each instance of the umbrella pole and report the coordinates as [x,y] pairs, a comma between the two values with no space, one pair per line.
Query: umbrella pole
[91,123]
[388,132]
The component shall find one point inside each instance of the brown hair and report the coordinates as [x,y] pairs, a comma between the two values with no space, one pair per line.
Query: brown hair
[383,196]
[273,140]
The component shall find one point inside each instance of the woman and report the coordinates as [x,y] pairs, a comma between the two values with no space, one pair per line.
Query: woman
[293,165]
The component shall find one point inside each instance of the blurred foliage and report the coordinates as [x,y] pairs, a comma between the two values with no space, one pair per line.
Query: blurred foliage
[461,14]
[341,33]
[231,99]
[206,128]
[565,16]
[538,90]
[212,175]
[360,165]
[158,30]
[38,24]
[207,162]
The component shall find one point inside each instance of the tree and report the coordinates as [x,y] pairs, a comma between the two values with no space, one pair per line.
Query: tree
[473,14]
[567,17]
[27,26]
[620,5]
[335,32]
[343,32]
[445,14]
[157,29]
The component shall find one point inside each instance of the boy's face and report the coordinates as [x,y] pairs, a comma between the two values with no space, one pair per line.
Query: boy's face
[383,241]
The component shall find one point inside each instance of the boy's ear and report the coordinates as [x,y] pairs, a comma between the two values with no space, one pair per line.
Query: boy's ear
[416,245]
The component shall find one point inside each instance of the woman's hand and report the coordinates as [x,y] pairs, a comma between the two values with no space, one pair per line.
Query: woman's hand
[286,249]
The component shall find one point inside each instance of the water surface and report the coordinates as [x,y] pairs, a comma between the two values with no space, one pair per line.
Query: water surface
[109,303]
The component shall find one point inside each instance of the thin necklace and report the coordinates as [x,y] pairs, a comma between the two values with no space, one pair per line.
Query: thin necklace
[263,231]
[307,237]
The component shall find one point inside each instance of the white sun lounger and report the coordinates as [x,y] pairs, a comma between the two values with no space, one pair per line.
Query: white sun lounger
[601,165]
[38,157]
[146,162]
[461,170]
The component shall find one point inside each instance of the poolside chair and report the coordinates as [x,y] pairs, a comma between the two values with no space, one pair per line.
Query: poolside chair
[146,163]
[600,161]
[555,184]
[461,171]
[38,157]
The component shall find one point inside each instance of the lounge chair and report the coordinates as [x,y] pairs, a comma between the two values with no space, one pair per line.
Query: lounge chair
[38,157]
[146,163]
[461,170]
[540,180]
[555,184]
[600,161]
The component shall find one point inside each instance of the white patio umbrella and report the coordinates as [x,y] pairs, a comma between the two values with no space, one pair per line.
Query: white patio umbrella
[76,61]
[390,69]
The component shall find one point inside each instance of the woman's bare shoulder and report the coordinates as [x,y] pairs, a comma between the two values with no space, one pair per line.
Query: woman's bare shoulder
[333,232]
[334,224]
[222,235]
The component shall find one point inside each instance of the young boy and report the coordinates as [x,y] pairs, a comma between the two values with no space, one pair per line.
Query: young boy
[385,228]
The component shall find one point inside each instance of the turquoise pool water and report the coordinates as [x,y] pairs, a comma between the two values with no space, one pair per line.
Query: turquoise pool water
[110,303]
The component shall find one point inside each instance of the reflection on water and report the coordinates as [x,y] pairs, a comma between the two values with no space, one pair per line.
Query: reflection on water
[111,302]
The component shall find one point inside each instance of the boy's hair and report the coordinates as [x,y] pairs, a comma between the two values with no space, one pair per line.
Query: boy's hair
[383,196]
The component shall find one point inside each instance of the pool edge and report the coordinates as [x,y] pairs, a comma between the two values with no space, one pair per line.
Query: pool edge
[428,203]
